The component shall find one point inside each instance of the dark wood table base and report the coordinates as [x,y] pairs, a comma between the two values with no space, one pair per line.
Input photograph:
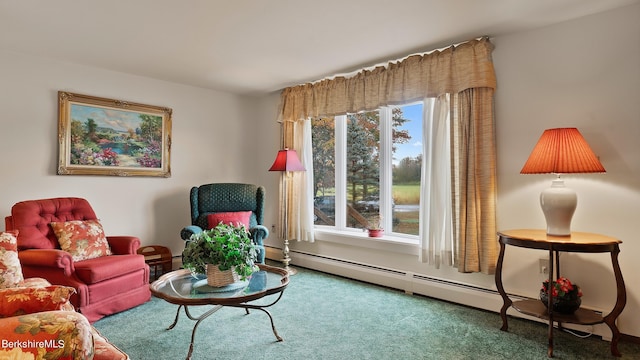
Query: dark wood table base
[577,242]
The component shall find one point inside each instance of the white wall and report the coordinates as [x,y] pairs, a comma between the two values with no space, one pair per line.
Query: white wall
[211,142]
[585,74]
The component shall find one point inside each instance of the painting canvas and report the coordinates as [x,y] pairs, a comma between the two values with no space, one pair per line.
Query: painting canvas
[101,136]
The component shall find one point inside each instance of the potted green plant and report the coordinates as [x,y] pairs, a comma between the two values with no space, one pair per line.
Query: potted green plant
[225,248]
[374,226]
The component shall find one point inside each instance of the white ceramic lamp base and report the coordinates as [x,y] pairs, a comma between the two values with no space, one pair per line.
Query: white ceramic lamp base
[558,205]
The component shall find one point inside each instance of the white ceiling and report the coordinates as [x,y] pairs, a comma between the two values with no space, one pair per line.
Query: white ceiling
[259,46]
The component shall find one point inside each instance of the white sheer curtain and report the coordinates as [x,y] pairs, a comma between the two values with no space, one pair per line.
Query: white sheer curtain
[303,230]
[436,224]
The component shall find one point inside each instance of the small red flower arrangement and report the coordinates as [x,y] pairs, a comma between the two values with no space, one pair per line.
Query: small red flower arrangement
[566,296]
[562,288]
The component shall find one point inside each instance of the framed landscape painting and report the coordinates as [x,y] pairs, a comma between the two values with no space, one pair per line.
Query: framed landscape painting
[99,136]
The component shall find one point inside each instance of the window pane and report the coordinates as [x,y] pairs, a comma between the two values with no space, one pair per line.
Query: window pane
[363,168]
[355,155]
[323,140]
[407,161]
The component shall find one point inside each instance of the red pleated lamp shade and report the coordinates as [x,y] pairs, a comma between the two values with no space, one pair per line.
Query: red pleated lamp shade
[562,151]
[287,160]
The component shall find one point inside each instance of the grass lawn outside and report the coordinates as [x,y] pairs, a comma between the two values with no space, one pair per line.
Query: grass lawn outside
[406,222]
[406,194]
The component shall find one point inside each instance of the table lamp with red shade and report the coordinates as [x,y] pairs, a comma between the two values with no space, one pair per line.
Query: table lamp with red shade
[560,151]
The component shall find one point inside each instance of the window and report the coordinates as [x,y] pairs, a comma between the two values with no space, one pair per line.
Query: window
[368,165]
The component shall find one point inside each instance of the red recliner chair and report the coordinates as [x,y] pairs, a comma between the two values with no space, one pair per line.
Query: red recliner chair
[105,284]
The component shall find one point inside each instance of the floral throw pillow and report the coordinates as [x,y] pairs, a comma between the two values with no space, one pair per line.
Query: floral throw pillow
[21,301]
[48,335]
[83,239]
[10,269]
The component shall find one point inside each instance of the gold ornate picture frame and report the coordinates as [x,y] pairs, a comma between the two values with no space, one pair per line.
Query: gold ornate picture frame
[99,136]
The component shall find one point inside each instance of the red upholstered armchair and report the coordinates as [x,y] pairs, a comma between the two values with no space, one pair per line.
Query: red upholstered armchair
[109,276]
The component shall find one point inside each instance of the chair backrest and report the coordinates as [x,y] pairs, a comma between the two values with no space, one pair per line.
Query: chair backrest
[226,197]
[32,218]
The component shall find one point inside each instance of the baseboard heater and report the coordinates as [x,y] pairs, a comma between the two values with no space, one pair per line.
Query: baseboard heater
[412,283]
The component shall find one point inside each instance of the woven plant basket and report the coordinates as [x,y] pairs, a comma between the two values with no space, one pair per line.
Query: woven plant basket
[217,278]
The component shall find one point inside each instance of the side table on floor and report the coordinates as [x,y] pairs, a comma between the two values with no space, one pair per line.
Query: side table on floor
[577,242]
[158,258]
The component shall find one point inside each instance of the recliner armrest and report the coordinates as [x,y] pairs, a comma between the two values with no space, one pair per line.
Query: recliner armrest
[47,258]
[259,233]
[187,231]
[123,245]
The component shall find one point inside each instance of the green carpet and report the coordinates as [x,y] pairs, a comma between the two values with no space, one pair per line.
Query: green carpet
[326,317]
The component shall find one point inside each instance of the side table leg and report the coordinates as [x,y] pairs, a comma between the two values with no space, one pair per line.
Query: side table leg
[621,301]
[506,301]
[550,305]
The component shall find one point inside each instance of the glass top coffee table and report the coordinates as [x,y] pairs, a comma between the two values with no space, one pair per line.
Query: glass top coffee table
[182,288]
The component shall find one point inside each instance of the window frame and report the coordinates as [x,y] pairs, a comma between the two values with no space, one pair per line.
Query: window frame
[328,232]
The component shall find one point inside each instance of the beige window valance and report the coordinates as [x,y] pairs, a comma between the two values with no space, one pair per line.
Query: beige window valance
[452,70]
